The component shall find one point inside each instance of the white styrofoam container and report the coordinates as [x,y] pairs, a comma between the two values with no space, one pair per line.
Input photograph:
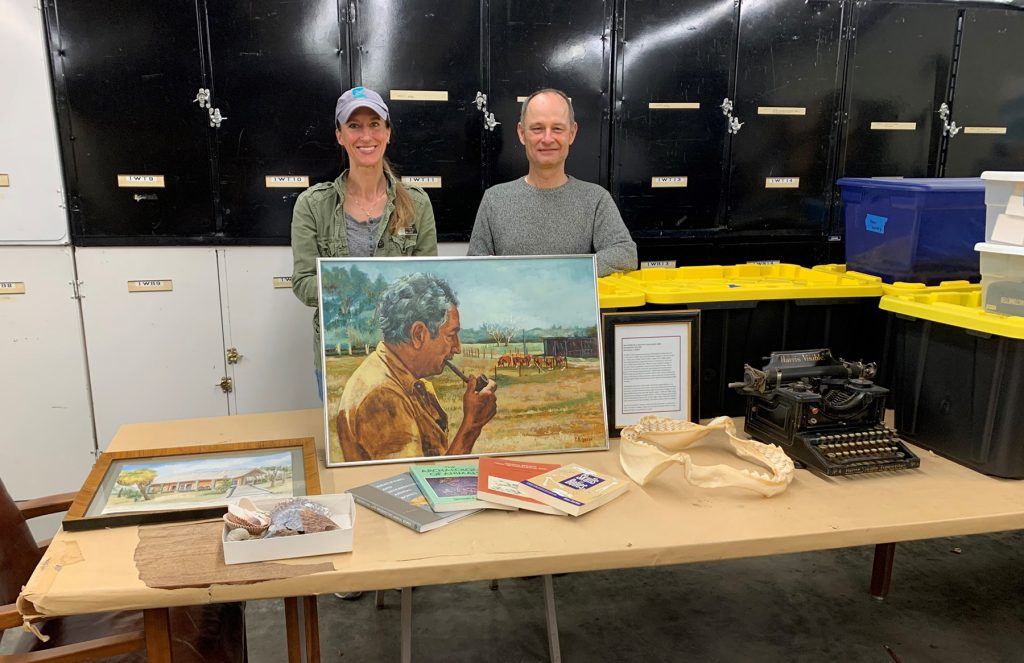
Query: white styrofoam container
[999,187]
[343,513]
[1002,278]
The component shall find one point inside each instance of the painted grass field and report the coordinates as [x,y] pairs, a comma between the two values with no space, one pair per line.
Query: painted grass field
[540,410]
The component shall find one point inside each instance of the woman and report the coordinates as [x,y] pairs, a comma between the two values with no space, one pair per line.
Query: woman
[365,212]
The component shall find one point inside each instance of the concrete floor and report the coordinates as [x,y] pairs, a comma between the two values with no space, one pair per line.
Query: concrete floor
[953,600]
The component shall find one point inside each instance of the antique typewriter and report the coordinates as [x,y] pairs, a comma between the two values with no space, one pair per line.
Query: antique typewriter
[825,413]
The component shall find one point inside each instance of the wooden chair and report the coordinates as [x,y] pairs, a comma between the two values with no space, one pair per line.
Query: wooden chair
[199,634]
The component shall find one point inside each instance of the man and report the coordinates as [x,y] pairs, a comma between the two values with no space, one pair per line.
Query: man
[387,410]
[548,212]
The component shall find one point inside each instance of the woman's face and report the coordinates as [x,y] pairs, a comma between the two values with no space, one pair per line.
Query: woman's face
[365,137]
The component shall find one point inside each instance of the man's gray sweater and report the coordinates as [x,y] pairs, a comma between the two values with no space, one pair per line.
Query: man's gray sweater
[516,219]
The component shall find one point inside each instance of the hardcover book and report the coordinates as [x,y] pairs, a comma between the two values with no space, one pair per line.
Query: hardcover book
[574,489]
[399,499]
[450,487]
[499,482]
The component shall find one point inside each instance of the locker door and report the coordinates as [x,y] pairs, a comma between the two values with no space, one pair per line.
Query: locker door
[136,147]
[988,101]
[153,329]
[898,75]
[271,330]
[673,65]
[424,59]
[46,435]
[565,45]
[787,85]
[278,69]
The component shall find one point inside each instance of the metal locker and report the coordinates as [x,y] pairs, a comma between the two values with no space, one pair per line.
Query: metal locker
[46,432]
[988,98]
[31,185]
[425,60]
[277,70]
[788,81]
[673,64]
[897,76]
[536,44]
[268,332]
[153,330]
[136,144]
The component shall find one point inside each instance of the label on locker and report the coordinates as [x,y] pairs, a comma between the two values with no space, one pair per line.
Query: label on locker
[674,105]
[419,95]
[140,181]
[782,182]
[781,110]
[287,181]
[159,285]
[669,181]
[894,126]
[12,287]
[5,179]
[282,282]
[423,181]
[978,130]
[655,264]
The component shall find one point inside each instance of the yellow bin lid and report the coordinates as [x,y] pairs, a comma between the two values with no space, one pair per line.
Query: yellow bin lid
[959,309]
[716,283]
[901,287]
[613,292]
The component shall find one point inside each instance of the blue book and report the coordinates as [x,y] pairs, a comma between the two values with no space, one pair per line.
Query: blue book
[399,499]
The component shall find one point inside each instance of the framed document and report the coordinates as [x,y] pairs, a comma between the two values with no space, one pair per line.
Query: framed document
[652,363]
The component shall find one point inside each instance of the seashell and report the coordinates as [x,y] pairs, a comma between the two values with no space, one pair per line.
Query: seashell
[284,531]
[237,534]
[253,522]
[287,514]
[313,522]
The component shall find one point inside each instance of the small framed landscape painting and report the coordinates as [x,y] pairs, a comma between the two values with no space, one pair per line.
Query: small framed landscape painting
[460,357]
[190,483]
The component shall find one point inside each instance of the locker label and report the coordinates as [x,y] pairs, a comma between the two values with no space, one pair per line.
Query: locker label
[656,264]
[670,181]
[160,285]
[140,181]
[423,181]
[674,105]
[12,287]
[5,179]
[781,110]
[782,182]
[875,224]
[985,130]
[894,126]
[419,95]
[282,282]
[287,181]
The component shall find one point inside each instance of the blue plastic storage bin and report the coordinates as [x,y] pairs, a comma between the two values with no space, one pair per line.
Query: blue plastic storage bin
[920,230]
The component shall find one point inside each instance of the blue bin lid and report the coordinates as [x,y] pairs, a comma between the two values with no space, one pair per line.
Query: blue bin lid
[938,184]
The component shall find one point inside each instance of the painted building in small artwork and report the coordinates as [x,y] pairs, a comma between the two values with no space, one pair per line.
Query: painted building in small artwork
[200,481]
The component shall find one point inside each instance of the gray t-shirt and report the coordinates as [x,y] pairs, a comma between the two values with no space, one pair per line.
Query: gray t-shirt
[362,236]
[516,219]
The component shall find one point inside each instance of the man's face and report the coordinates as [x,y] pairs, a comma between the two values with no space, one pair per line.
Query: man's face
[546,131]
[443,346]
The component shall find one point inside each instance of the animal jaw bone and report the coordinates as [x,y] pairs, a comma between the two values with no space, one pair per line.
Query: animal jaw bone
[643,459]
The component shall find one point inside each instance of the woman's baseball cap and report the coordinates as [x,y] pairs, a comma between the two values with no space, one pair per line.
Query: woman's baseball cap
[359,97]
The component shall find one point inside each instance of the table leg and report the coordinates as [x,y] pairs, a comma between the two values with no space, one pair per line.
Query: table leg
[157,624]
[312,629]
[407,625]
[881,570]
[291,622]
[552,618]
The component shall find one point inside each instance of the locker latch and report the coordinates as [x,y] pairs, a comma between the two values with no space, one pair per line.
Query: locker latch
[216,118]
[948,128]
[233,355]
[490,122]
[481,105]
[202,97]
[480,101]
[734,123]
[226,385]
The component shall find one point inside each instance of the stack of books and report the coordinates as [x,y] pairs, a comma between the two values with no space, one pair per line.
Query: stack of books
[429,496]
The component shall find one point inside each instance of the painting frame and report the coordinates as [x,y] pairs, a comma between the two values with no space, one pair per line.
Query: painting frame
[96,491]
[470,276]
[689,388]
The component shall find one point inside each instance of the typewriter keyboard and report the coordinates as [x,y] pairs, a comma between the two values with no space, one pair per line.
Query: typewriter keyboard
[873,449]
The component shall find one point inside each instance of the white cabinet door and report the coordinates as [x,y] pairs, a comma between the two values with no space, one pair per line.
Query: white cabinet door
[31,186]
[270,328]
[153,333]
[46,434]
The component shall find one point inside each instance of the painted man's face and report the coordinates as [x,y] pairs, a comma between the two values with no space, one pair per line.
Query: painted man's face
[445,344]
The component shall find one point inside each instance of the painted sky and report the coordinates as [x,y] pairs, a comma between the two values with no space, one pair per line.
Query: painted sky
[535,292]
[244,460]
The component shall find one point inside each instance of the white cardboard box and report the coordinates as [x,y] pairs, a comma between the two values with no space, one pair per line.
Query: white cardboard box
[343,513]
[1004,203]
